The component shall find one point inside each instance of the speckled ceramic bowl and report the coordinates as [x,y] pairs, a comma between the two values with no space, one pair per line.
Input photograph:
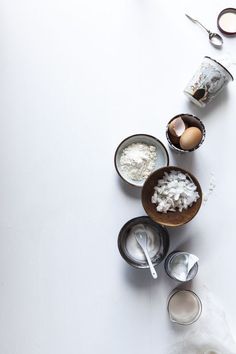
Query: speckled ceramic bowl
[191,121]
[162,155]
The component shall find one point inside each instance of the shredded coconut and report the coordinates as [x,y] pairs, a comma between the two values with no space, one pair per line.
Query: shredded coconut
[212,185]
[138,160]
[176,191]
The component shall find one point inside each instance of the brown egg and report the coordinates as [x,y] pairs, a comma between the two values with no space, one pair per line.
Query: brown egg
[190,138]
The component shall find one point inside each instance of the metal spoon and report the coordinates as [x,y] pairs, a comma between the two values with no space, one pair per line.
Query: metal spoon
[142,238]
[214,38]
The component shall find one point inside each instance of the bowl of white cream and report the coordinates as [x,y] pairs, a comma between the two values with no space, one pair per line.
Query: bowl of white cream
[157,244]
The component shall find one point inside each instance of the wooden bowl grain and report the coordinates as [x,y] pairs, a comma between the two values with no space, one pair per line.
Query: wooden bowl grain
[170,218]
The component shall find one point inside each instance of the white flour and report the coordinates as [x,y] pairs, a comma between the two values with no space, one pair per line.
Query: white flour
[138,160]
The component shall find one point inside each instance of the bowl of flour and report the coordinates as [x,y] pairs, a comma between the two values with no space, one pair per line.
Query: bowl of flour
[138,156]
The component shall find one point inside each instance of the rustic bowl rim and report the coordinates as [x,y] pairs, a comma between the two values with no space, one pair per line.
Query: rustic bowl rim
[129,137]
[203,133]
[195,180]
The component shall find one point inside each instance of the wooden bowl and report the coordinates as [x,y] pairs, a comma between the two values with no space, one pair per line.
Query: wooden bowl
[170,218]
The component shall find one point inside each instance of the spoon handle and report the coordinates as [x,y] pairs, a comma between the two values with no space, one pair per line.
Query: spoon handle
[196,21]
[152,269]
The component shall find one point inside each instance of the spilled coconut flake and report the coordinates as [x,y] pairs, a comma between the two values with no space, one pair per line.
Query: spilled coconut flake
[176,191]
[211,188]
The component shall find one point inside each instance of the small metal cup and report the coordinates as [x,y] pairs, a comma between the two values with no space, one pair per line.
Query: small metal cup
[171,258]
[181,318]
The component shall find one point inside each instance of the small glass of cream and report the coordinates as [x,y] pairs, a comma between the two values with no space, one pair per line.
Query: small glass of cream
[184,307]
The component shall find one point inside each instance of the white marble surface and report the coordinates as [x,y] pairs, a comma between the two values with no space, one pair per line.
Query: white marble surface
[76,78]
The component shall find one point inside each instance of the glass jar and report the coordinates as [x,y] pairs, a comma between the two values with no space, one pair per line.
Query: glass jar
[184,307]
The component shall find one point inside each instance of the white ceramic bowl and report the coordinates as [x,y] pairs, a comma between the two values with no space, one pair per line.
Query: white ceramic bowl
[161,161]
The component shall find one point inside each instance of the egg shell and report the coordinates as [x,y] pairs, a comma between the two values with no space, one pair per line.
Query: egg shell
[190,138]
[177,127]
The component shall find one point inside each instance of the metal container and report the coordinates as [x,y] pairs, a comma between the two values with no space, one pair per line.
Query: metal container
[209,80]
[158,243]
[175,263]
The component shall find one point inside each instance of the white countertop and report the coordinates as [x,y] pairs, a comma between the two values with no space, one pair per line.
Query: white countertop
[76,77]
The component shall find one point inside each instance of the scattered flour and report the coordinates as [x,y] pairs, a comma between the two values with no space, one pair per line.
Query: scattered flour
[211,188]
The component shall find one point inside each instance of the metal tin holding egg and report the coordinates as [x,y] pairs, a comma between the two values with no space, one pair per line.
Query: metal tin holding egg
[187,139]
[209,80]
